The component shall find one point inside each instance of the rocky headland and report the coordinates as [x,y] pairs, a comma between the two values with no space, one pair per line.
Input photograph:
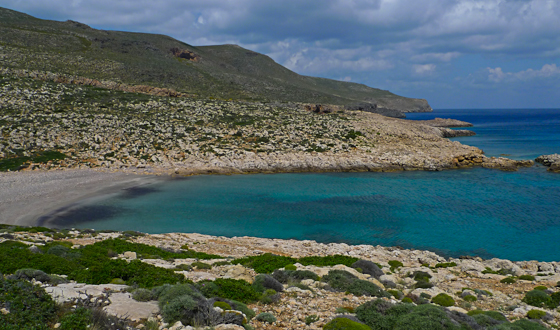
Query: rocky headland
[472,284]
[48,125]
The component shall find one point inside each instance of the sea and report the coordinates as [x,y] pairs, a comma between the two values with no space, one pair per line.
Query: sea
[475,212]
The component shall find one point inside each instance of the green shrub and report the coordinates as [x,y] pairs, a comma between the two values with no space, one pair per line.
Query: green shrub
[344,310]
[470,298]
[266,317]
[142,295]
[311,319]
[536,314]
[327,261]
[445,265]
[287,276]
[522,324]
[366,288]
[223,305]
[486,321]
[425,317]
[394,264]
[80,319]
[265,263]
[231,289]
[443,299]
[423,285]
[396,293]
[527,277]
[183,267]
[407,300]
[508,280]
[201,265]
[538,298]
[541,287]
[269,296]
[264,281]
[239,306]
[341,323]
[380,314]
[119,281]
[555,299]
[290,267]
[29,306]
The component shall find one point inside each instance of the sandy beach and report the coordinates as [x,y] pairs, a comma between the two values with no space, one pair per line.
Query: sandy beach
[26,196]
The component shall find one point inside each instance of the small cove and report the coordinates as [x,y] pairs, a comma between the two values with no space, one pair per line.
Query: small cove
[489,213]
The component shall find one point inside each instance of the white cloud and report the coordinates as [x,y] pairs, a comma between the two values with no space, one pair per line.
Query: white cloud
[423,69]
[497,75]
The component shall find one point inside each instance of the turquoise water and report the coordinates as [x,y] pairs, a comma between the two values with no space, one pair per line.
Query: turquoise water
[489,213]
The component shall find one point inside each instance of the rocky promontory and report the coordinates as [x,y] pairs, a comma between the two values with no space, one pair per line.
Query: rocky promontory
[551,161]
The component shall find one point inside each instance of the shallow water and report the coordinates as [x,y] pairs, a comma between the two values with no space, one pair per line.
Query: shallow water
[513,215]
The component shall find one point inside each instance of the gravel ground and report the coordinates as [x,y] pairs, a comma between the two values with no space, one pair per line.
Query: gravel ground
[26,196]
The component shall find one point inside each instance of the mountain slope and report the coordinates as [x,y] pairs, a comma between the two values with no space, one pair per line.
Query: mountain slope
[223,72]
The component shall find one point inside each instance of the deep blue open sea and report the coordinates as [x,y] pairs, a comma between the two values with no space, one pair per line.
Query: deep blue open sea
[489,213]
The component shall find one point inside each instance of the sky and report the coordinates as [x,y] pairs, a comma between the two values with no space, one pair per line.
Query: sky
[454,53]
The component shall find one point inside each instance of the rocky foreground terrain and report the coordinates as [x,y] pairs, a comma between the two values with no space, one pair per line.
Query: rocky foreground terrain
[47,125]
[413,276]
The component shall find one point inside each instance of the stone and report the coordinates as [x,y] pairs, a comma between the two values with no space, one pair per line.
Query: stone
[229,327]
[130,255]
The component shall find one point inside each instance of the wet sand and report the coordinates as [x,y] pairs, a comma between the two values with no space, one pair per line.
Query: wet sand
[27,196]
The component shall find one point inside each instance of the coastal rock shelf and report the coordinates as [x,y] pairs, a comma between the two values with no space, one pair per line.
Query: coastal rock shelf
[551,161]
[48,125]
[472,283]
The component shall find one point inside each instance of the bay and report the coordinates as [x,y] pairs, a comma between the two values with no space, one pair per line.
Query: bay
[488,213]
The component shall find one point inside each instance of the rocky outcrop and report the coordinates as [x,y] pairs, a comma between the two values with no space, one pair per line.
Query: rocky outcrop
[185,54]
[505,164]
[374,108]
[551,161]
[451,133]
[445,122]
[403,104]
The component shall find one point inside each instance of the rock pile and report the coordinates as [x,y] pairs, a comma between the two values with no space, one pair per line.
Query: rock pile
[551,161]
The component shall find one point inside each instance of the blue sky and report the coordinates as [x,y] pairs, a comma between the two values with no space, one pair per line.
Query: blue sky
[454,53]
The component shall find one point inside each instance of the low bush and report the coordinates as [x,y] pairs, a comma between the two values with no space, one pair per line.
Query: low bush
[394,264]
[538,298]
[268,262]
[443,299]
[470,298]
[265,263]
[342,323]
[311,319]
[522,324]
[445,265]
[201,265]
[80,319]
[368,267]
[555,299]
[290,267]
[327,261]
[231,289]
[142,295]
[29,306]
[508,280]
[287,276]
[266,317]
[222,304]
[541,287]
[264,281]
[269,296]
[397,294]
[239,306]
[527,277]
[366,288]
[536,314]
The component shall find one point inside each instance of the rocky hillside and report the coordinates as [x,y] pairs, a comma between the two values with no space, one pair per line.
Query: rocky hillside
[129,280]
[222,72]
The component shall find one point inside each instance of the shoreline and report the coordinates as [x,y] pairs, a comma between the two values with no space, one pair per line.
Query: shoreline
[31,196]
[27,196]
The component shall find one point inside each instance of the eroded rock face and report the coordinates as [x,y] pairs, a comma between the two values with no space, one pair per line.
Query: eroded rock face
[374,108]
[185,54]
